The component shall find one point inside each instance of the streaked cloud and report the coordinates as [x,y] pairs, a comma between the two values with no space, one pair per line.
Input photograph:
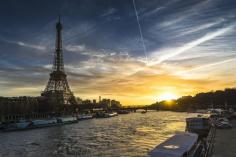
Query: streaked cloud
[24,44]
[190,45]
[206,66]
[75,48]
[109,12]
[201,27]
[151,12]
[20,43]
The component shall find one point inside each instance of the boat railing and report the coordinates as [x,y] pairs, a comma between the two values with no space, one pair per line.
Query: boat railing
[210,141]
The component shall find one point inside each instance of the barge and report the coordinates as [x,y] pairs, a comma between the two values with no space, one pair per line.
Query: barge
[84,117]
[196,141]
[38,123]
[105,114]
[180,145]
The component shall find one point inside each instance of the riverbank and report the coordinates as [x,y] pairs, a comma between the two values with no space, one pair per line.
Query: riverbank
[225,142]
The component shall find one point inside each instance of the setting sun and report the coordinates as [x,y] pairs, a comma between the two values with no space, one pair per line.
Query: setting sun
[167,96]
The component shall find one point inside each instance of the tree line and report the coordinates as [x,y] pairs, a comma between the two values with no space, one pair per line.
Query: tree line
[224,99]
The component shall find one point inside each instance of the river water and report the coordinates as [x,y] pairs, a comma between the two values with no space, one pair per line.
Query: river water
[131,135]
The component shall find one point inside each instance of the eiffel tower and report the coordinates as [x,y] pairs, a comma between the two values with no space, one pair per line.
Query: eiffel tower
[57,89]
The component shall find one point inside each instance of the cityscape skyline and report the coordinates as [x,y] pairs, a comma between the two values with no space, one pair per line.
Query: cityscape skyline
[190,48]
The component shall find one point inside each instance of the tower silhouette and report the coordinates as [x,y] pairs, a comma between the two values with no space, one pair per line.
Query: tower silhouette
[57,89]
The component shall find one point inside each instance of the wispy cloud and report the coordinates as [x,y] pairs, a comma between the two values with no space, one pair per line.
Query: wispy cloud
[151,12]
[24,44]
[190,45]
[201,27]
[20,43]
[75,48]
[185,13]
[206,66]
[109,12]
[82,49]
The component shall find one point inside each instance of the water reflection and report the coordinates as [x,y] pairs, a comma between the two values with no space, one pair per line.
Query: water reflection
[126,135]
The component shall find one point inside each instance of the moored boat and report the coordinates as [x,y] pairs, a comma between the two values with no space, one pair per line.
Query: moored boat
[39,123]
[67,119]
[105,114]
[123,112]
[180,145]
[112,114]
[84,116]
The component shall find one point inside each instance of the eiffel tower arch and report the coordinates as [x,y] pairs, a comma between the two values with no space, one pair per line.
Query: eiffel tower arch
[57,91]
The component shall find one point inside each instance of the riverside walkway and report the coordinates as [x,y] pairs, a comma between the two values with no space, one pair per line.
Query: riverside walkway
[225,142]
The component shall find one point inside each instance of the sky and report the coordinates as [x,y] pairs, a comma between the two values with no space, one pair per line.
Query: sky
[182,47]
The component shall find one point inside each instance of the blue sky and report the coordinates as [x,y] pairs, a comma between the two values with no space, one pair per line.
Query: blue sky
[190,47]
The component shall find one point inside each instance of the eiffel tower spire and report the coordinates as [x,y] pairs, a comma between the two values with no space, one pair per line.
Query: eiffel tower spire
[58,61]
[58,88]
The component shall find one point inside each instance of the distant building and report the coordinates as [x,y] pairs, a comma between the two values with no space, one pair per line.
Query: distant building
[115,104]
[86,102]
[13,108]
[79,101]
[105,103]
[100,98]
[94,101]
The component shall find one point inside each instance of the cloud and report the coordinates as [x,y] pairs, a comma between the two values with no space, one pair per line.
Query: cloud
[20,43]
[206,66]
[201,27]
[151,12]
[190,45]
[24,44]
[109,12]
[75,48]
[78,31]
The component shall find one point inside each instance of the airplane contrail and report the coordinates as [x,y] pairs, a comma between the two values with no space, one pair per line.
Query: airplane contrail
[140,31]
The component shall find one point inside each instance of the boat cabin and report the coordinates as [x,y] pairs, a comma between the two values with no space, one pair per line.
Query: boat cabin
[179,145]
[199,125]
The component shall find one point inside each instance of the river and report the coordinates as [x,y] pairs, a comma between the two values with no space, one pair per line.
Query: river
[131,135]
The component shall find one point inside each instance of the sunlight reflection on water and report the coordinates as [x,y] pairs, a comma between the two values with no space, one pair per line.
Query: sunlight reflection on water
[132,135]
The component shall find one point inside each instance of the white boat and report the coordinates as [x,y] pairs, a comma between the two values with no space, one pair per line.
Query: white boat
[179,145]
[39,123]
[112,114]
[23,124]
[68,119]
[84,116]
[44,121]
[105,114]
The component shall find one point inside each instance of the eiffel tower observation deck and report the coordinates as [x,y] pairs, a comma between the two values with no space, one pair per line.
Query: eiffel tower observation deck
[57,90]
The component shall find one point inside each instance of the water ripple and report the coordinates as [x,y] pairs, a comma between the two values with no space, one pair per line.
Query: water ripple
[131,135]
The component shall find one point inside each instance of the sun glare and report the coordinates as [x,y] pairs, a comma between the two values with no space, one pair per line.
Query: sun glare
[167,96]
